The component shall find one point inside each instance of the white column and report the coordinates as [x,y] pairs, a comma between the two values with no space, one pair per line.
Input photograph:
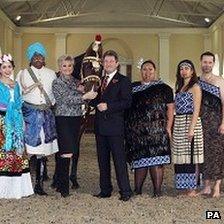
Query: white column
[18,51]
[164,56]
[207,42]
[61,43]
[221,64]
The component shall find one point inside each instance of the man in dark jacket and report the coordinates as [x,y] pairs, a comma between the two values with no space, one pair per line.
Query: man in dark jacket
[114,96]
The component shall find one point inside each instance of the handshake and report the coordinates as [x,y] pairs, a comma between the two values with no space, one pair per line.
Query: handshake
[90,95]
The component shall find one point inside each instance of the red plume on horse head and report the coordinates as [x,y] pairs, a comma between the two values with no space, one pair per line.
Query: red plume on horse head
[92,64]
[98,38]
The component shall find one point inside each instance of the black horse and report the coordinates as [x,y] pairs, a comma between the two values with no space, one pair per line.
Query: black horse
[87,69]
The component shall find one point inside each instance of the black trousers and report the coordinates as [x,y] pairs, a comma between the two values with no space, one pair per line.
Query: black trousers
[115,145]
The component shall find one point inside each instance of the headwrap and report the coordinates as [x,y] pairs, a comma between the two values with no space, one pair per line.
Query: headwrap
[37,48]
[185,64]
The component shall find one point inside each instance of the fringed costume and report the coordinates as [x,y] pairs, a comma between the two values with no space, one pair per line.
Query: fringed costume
[147,141]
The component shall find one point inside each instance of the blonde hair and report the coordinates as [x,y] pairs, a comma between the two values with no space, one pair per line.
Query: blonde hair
[65,57]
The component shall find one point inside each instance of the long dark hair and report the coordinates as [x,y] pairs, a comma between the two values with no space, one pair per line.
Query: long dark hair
[180,81]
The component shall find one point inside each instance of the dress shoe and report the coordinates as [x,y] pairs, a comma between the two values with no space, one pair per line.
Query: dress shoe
[125,197]
[39,190]
[65,194]
[102,195]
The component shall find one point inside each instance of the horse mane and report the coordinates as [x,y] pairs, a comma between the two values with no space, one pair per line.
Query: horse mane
[77,66]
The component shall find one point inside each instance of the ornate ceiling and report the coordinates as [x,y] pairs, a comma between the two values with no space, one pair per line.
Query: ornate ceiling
[113,13]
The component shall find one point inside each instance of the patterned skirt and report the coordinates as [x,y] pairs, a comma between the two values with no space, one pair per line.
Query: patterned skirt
[15,180]
[213,167]
[187,155]
[151,161]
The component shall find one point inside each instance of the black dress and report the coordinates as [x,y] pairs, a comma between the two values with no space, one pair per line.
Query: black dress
[146,139]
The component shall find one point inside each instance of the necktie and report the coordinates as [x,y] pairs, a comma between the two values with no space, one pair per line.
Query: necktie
[104,83]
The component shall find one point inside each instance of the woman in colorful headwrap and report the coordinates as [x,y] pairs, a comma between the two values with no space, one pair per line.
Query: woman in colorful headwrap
[148,128]
[40,131]
[15,180]
[187,150]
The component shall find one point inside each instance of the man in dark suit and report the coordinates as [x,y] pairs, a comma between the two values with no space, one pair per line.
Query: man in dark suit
[114,96]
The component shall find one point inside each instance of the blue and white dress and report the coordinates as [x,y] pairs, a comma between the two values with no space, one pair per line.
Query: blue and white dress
[186,155]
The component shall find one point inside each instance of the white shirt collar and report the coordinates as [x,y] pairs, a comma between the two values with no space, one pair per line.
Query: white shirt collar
[111,75]
[146,83]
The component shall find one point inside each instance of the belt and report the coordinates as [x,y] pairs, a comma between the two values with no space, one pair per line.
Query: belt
[39,107]
[3,113]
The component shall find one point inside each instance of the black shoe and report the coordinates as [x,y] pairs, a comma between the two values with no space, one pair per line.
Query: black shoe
[75,184]
[39,190]
[65,194]
[125,197]
[102,195]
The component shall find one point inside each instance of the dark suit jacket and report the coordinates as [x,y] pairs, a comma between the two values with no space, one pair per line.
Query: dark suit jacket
[118,98]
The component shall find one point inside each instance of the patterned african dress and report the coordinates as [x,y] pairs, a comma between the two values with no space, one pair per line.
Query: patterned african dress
[211,114]
[186,154]
[15,180]
[146,139]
